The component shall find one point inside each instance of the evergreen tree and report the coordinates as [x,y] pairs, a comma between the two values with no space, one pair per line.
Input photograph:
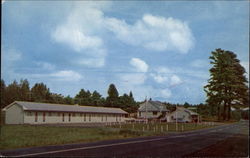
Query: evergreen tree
[113,96]
[96,98]
[227,84]
[3,91]
[25,90]
[40,93]
[12,92]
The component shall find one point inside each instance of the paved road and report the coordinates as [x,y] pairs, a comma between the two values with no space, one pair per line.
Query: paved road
[172,145]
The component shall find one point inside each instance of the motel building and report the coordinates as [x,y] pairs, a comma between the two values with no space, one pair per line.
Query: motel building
[20,112]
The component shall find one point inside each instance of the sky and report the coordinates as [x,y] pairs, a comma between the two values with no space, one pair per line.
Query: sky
[156,49]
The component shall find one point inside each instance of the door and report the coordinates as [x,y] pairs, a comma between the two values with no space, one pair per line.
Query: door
[35,116]
[44,115]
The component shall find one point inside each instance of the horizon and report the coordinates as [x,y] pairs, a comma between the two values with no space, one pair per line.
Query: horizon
[158,50]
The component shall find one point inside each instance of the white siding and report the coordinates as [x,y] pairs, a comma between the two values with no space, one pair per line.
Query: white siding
[182,115]
[148,114]
[14,115]
[57,117]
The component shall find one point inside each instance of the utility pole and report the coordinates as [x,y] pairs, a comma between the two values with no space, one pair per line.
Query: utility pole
[146,104]
[176,123]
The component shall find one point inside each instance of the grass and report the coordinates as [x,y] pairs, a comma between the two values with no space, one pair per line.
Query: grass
[20,136]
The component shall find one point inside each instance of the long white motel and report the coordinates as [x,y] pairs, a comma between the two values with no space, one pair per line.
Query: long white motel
[20,112]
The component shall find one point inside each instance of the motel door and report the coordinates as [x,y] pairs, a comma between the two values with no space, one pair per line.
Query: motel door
[36,117]
[63,117]
[69,117]
[44,116]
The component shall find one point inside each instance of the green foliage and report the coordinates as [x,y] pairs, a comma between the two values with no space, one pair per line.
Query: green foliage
[112,99]
[227,84]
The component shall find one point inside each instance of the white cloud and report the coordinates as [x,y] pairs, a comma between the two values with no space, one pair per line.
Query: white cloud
[154,33]
[140,65]
[175,80]
[67,75]
[161,74]
[81,33]
[166,93]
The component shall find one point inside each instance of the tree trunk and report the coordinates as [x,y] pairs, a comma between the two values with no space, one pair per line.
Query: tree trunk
[218,113]
[224,111]
[229,112]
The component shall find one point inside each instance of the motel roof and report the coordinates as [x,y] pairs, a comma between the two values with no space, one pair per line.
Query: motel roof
[152,106]
[33,106]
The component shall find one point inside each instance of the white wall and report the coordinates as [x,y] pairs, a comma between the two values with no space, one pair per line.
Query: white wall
[148,114]
[14,115]
[186,117]
[57,117]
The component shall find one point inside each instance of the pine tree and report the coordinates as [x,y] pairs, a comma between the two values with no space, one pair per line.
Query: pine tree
[113,96]
[227,83]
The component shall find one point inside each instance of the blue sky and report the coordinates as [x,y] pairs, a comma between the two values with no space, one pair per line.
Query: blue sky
[156,49]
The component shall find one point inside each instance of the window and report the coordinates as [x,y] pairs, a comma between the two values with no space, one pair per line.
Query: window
[29,113]
[81,114]
[73,114]
[50,114]
[35,116]
[155,113]
[58,114]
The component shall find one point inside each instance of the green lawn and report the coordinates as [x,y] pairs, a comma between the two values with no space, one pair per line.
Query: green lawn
[19,136]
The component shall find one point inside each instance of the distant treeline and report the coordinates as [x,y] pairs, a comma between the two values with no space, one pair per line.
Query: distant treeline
[41,93]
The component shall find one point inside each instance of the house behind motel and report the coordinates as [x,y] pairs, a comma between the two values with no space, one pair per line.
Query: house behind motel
[20,112]
[151,110]
[183,115]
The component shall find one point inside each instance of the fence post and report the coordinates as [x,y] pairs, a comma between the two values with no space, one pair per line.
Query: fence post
[182,127]
[161,129]
[148,127]
[143,128]
[167,127]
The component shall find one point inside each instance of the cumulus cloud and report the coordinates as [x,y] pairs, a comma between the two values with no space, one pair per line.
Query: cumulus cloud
[175,80]
[86,24]
[161,74]
[139,65]
[66,75]
[165,93]
[154,32]
[80,32]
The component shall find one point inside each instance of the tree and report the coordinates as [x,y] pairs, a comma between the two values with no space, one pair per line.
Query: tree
[12,92]
[96,98]
[83,97]
[24,90]
[40,93]
[68,100]
[227,83]
[3,91]
[112,98]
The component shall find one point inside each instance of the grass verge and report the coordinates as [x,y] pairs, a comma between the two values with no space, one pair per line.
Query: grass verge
[20,136]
